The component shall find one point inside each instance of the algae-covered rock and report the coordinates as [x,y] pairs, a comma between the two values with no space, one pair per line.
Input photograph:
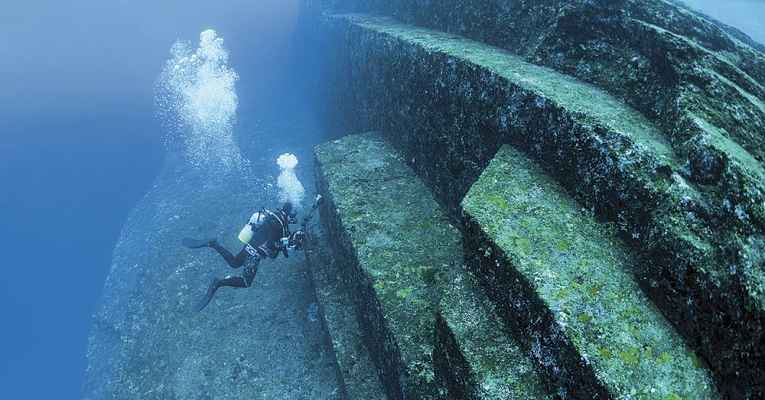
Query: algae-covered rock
[393,242]
[357,373]
[474,355]
[148,343]
[683,191]
[668,62]
[563,282]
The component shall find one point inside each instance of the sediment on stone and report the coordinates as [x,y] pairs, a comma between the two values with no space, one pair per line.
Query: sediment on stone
[447,103]
[393,242]
[147,342]
[473,354]
[563,283]
[490,96]
[357,373]
[691,75]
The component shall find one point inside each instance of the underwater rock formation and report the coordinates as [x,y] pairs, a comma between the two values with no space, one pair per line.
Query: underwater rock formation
[393,244]
[356,372]
[401,264]
[563,282]
[645,113]
[147,342]
[474,357]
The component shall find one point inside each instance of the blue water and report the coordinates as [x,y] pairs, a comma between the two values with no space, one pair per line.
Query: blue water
[63,203]
[80,145]
[746,15]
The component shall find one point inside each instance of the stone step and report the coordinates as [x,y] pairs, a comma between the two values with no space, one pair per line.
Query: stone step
[624,60]
[394,244]
[448,103]
[403,261]
[358,375]
[473,354]
[563,283]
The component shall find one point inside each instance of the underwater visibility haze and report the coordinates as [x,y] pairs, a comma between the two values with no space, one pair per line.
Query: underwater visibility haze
[84,138]
[359,199]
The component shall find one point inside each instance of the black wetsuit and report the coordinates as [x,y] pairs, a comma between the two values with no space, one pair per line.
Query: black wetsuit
[267,241]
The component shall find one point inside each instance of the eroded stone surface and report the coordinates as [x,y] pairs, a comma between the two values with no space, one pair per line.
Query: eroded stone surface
[357,372]
[448,103]
[390,237]
[474,355]
[564,283]
[668,62]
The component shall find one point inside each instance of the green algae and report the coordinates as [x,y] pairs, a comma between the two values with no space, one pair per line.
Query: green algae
[474,354]
[618,331]
[749,165]
[376,212]
[688,231]
[574,95]
[357,374]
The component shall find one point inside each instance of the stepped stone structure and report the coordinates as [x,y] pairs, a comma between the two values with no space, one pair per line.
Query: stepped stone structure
[477,359]
[564,283]
[423,320]
[355,368]
[601,163]
[394,245]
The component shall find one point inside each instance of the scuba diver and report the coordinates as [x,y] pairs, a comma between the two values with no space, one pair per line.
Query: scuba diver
[266,235]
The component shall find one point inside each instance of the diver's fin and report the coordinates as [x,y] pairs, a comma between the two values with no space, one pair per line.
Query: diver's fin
[214,285]
[196,243]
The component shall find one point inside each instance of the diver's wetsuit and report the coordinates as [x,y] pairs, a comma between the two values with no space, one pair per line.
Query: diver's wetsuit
[266,242]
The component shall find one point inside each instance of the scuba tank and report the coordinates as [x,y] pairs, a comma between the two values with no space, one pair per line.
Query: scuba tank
[257,219]
[245,235]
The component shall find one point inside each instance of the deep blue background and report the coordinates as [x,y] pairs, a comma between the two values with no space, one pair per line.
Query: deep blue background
[746,15]
[79,145]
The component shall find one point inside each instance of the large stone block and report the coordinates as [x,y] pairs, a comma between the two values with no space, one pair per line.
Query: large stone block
[474,355]
[357,374]
[564,284]
[448,103]
[394,245]
[672,64]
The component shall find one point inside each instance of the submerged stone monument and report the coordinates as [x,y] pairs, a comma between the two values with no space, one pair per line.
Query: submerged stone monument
[580,181]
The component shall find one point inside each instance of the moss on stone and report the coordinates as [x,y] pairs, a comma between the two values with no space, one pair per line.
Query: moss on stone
[375,213]
[657,56]
[357,373]
[551,86]
[475,355]
[452,112]
[618,333]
